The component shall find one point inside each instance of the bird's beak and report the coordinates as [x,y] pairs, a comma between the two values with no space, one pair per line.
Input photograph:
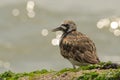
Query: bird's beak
[57,29]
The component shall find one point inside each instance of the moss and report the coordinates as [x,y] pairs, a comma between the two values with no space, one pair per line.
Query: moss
[65,70]
[106,75]
[8,75]
[101,71]
[88,76]
[101,65]
[43,71]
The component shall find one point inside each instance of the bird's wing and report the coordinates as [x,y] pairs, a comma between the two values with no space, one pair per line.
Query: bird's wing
[80,48]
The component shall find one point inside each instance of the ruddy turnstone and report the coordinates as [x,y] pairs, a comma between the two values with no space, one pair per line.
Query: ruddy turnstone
[76,46]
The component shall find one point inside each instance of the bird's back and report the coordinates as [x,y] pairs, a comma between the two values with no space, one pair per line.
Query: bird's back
[77,46]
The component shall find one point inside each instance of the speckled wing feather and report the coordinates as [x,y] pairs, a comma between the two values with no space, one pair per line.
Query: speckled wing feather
[79,47]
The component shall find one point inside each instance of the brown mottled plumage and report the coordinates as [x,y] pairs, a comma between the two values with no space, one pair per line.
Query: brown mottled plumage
[75,46]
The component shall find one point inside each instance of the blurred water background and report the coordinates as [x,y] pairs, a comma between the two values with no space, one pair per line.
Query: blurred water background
[26,40]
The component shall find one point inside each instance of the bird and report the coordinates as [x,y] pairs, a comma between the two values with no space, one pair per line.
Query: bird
[75,46]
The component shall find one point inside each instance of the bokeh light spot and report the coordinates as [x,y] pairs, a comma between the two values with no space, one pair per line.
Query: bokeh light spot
[117,32]
[55,42]
[44,32]
[103,23]
[30,8]
[31,14]
[15,12]
[30,5]
[114,25]
[58,34]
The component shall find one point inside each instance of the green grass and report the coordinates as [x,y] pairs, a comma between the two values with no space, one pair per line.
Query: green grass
[109,75]
[8,75]
[101,71]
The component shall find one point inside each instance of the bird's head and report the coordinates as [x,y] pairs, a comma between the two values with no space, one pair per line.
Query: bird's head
[66,27]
